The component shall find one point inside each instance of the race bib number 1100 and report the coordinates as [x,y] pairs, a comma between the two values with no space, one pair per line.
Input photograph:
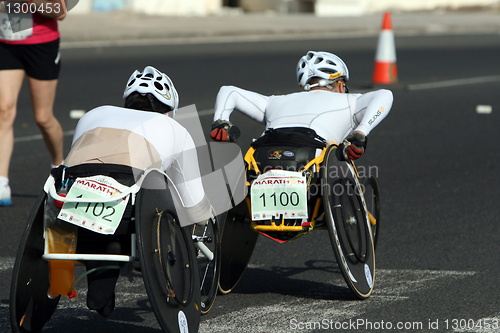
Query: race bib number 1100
[98,216]
[279,193]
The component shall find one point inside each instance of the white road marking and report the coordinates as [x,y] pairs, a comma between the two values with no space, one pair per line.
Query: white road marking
[76,114]
[484,109]
[453,83]
[391,285]
[38,137]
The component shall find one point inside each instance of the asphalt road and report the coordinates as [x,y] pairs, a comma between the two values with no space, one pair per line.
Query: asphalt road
[435,157]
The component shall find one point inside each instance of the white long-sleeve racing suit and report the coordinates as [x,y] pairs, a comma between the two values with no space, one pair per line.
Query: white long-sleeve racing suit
[332,115]
[142,140]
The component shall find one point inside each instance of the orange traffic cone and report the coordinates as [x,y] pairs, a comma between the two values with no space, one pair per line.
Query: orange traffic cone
[386,71]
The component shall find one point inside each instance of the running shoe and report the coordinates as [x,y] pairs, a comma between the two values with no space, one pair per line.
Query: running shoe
[5,196]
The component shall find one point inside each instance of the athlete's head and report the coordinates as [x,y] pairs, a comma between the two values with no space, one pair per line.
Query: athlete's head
[321,69]
[151,90]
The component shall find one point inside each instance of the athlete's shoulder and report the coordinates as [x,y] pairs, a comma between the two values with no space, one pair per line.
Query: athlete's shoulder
[121,112]
[298,94]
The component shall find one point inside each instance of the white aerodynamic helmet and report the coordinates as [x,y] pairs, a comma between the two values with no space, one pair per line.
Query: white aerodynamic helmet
[154,82]
[323,65]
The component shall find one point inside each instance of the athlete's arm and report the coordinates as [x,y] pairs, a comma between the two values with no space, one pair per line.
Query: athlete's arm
[247,102]
[371,108]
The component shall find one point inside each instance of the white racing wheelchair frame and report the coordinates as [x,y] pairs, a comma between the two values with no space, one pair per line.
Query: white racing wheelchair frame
[164,250]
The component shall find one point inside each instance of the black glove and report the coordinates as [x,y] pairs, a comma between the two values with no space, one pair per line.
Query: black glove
[224,131]
[354,145]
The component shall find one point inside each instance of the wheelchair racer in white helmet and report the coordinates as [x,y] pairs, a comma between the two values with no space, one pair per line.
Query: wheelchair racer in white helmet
[325,105]
[142,136]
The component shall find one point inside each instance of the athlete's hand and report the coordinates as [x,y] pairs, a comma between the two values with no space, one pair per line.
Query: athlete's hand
[224,131]
[354,145]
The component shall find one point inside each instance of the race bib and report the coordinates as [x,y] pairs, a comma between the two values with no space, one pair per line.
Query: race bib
[16,23]
[98,216]
[279,193]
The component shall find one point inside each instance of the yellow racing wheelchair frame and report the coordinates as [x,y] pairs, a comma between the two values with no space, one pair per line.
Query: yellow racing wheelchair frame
[251,165]
[351,223]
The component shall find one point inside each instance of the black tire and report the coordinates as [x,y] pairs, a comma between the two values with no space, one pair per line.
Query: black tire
[372,199]
[238,241]
[30,306]
[348,226]
[209,269]
[168,259]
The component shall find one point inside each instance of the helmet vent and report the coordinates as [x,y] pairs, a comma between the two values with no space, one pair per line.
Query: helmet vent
[144,85]
[329,62]
[158,86]
[149,75]
[167,87]
[318,60]
[131,82]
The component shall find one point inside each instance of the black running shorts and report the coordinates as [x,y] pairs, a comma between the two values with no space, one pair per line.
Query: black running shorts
[39,61]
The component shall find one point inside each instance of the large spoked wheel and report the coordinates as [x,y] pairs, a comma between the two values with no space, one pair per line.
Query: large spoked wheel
[30,306]
[348,225]
[207,243]
[372,200]
[238,241]
[168,259]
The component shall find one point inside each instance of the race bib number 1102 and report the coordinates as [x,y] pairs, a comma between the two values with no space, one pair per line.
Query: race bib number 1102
[98,216]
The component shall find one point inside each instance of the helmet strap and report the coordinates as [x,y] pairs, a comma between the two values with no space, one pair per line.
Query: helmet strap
[320,83]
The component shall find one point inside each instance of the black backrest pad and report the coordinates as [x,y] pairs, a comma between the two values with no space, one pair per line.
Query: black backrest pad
[286,148]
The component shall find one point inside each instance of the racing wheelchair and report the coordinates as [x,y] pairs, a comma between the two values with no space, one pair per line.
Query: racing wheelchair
[298,184]
[82,210]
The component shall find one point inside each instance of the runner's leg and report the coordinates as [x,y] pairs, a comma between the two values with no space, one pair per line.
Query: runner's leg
[10,86]
[43,93]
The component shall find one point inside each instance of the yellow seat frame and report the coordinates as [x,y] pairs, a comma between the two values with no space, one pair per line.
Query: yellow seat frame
[251,164]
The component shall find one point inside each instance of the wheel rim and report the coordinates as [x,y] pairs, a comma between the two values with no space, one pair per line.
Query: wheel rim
[171,253]
[347,224]
[352,230]
[372,200]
